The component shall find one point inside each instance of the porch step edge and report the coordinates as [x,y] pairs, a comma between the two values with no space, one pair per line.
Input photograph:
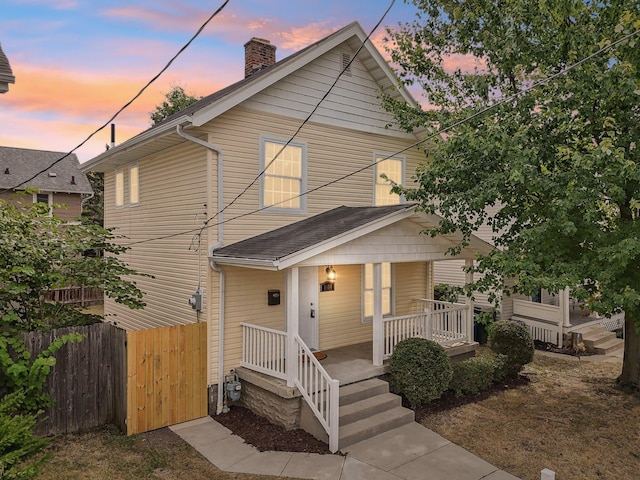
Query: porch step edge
[592,341]
[355,392]
[366,408]
[611,346]
[374,425]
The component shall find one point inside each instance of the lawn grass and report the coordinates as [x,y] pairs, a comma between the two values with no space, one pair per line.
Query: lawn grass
[570,418]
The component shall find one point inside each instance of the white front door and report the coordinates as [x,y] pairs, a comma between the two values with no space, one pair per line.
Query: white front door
[308,306]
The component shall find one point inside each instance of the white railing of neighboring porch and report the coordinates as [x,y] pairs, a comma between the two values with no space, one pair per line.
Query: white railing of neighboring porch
[264,350]
[320,391]
[545,322]
[443,322]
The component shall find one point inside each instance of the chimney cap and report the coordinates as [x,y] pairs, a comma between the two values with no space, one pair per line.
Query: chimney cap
[258,40]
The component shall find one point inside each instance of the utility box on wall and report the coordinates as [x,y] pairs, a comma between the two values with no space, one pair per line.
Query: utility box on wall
[273,297]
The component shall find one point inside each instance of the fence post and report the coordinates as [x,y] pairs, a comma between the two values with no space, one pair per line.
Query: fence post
[292,312]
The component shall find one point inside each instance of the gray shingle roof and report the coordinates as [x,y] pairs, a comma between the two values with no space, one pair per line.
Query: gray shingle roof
[279,243]
[22,163]
[6,74]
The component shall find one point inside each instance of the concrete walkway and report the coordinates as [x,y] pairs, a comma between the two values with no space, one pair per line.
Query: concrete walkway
[408,452]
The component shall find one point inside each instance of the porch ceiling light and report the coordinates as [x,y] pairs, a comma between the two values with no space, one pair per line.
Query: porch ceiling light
[331,273]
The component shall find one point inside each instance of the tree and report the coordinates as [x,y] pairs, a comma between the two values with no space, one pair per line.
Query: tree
[176,100]
[39,253]
[93,208]
[559,162]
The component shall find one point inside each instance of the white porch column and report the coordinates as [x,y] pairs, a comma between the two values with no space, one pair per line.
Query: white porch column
[292,312]
[429,292]
[469,279]
[378,330]
[564,307]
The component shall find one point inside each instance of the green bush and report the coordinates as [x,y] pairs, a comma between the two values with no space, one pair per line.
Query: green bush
[419,370]
[513,340]
[473,375]
[18,444]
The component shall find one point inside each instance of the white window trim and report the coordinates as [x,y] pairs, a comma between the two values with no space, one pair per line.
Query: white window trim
[115,188]
[303,171]
[376,175]
[49,197]
[392,289]
[132,167]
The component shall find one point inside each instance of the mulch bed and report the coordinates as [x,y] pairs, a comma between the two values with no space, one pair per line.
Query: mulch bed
[550,347]
[265,436]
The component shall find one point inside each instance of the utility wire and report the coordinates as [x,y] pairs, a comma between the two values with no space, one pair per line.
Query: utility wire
[306,120]
[135,97]
[426,139]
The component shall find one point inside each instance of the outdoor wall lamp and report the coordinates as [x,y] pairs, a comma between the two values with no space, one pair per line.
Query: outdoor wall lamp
[331,273]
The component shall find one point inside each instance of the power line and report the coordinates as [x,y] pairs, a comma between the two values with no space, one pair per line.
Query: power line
[135,97]
[304,122]
[413,145]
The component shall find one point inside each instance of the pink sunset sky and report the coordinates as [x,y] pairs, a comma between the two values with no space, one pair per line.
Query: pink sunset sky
[77,62]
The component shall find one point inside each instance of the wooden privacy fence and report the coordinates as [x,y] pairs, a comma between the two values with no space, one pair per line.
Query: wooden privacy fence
[166,376]
[82,295]
[137,380]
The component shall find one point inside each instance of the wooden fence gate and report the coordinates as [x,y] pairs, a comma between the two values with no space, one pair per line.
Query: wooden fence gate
[166,376]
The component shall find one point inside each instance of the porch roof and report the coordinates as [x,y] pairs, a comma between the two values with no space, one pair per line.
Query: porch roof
[393,232]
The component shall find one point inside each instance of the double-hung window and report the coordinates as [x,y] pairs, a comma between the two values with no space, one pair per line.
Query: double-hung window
[393,169]
[283,180]
[368,293]
[119,180]
[134,185]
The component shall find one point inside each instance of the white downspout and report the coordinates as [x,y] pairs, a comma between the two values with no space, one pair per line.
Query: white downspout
[218,244]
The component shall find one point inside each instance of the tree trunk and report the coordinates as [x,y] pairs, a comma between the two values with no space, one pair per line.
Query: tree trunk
[630,376]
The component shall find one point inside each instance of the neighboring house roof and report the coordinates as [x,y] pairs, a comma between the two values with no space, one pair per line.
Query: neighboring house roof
[17,165]
[164,134]
[297,242]
[6,74]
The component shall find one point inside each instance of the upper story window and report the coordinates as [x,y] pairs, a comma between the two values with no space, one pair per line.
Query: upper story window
[367,290]
[119,188]
[134,185]
[393,168]
[284,175]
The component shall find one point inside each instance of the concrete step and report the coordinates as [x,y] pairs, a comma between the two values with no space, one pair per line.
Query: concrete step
[368,407]
[610,347]
[593,340]
[374,425]
[354,392]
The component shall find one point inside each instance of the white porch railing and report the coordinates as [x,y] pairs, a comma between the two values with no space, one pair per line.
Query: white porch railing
[263,350]
[443,322]
[545,322]
[320,391]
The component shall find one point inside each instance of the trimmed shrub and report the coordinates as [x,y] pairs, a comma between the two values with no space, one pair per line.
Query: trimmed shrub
[513,340]
[420,370]
[473,375]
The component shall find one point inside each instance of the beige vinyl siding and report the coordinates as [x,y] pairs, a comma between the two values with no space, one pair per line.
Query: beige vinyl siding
[340,311]
[72,206]
[173,188]
[352,103]
[410,284]
[246,301]
[331,154]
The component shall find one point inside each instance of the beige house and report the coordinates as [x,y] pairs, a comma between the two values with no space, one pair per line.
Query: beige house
[62,186]
[289,247]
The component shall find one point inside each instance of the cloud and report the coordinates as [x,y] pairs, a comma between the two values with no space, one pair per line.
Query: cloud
[296,38]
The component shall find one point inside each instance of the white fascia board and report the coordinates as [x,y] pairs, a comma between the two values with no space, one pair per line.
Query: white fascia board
[246,262]
[334,242]
[135,142]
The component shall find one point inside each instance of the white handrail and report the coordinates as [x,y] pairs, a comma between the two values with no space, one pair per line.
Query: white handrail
[320,391]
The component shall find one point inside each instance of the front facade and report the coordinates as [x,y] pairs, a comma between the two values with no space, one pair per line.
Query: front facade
[269,232]
[25,177]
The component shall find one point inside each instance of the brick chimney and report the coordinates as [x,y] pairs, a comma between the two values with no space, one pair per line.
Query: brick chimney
[258,54]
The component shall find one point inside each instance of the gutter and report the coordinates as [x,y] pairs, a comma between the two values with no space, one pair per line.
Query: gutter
[212,264]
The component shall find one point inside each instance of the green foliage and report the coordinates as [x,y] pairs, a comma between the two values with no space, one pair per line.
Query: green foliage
[513,340]
[175,100]
[473,375]
[18,445]
[39,253]
[93,208]
[420,370]
[553,172]
[446,293]
[21,372]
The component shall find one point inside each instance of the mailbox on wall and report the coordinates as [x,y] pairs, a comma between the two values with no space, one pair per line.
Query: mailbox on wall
[273,297]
